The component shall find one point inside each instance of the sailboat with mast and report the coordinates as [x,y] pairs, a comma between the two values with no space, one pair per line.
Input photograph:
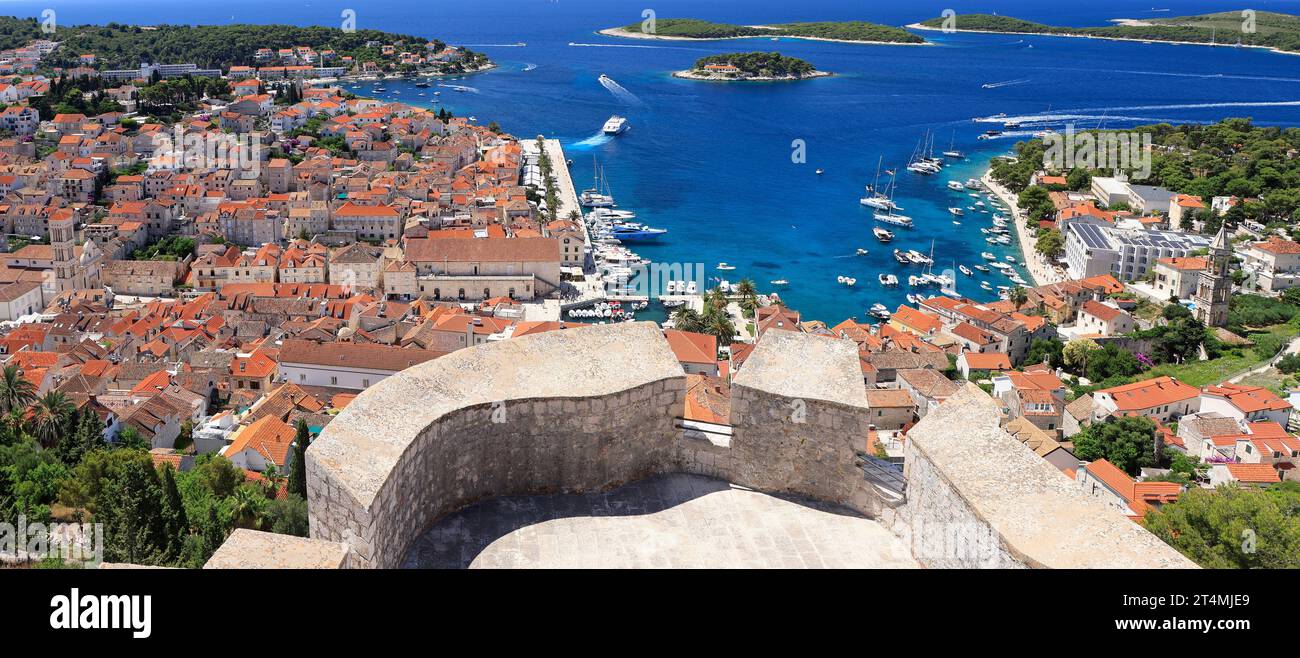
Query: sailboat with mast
[877,199]
[598,195]
[952,152]
[923,160]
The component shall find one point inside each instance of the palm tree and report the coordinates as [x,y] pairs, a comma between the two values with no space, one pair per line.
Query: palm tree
[719,325]
[248,507]
[715,300]
[50,418]
[273,478]
[1018,296]
[686,318]
[748,295]
[16,392]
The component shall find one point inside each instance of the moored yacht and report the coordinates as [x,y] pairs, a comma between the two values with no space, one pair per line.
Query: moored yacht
[896,220]
[884,235]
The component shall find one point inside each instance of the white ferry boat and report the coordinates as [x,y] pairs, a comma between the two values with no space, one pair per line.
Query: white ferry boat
[616,125]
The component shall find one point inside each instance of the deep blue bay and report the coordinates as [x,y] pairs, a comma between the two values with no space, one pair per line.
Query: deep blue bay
[712,162]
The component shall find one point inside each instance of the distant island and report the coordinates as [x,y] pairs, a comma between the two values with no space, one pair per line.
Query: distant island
[844,31]
[1278,32]
[756,66]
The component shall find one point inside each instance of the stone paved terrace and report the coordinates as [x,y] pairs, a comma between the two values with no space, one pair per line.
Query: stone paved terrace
[671,521]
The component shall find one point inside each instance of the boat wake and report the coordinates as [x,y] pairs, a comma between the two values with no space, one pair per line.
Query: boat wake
[1006,83]
[615,45]
[620,92]
[598,139]
[471,90]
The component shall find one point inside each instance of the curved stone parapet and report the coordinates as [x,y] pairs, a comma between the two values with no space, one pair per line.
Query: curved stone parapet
[978,498]
[563,411]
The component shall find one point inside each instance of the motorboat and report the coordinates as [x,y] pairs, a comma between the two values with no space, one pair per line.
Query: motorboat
[983,268]
[956,186]
[988,256]
[779,282]
[887,279]
[957,211]
[965,270]
[901,256]
[616,125]
[862,252]
[884,235]
[725,267]
[879,311]
[847,280]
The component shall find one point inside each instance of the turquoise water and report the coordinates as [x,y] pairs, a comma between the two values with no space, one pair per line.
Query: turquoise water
[712,162]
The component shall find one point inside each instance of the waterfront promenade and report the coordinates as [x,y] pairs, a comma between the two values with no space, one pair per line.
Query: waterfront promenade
[1041,272]
[568,194]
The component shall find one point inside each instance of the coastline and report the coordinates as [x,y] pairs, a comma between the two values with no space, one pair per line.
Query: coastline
[918,26]
[691,75]
[620,32]
[379,77]
[1041,273]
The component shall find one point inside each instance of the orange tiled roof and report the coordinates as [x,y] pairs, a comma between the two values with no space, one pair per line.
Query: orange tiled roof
[1150,393]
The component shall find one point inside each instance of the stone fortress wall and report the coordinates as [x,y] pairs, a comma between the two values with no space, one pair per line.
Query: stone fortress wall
[593,408]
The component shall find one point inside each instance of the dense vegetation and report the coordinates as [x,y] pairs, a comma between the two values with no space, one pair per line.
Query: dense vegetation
[1232,527]
[841,30]
[119,46]
[55,466]
[1228,158]
[1273,30]
[761,64]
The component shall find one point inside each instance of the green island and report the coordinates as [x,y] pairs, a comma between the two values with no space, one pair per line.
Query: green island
[1280,32]
[690,28]
[755,66]
[119,46]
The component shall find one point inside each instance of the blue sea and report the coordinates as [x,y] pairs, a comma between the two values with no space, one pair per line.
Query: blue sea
[713,162]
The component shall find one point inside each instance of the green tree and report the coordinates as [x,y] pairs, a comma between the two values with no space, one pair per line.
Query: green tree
[51,418]
[298,465]
[217,476]
[748,294]
[247,507]
[130,508]
[1233,528]
[1046,350]
[1076,353]
[1129,443]
[1050,244]
[686,318]
[176,524]
[16,392]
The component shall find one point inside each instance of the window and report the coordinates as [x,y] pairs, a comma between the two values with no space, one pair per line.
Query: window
[334,380]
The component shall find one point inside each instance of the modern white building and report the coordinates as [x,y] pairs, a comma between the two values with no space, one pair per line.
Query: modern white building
[1126,254]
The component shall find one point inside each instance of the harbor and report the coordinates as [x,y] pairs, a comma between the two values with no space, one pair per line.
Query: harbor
[787,223]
